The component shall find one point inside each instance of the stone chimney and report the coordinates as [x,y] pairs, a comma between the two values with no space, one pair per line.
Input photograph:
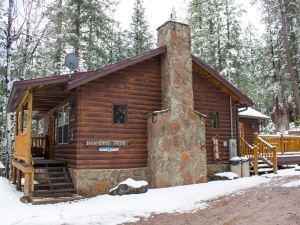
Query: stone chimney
[176,66]
[176,134]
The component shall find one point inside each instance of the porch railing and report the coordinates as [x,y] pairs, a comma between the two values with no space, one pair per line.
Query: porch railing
[22,144]
[39,146]
[247,150]
[284,143]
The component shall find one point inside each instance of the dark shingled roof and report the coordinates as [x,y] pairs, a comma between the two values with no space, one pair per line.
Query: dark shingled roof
[79,78]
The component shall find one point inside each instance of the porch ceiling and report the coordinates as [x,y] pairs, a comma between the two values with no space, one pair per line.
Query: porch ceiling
[47,94]
[47,98]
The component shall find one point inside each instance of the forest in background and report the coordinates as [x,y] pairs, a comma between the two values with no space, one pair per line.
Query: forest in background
[35,35]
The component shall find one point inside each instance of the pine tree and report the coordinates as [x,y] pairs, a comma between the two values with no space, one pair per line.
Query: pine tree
[216,35]
[283,38]
[139,35]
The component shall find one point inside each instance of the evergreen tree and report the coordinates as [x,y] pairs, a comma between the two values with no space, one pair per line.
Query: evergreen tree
[282,36]
[216,33]
[139,35]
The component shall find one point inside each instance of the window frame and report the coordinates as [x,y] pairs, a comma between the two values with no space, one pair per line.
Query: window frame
[113,113]
[64,124]
[217,120]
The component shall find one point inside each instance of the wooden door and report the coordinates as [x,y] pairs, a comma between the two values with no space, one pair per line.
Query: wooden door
[51,137]
[242,130]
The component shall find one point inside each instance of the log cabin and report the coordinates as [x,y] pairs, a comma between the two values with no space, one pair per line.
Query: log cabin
[164,116]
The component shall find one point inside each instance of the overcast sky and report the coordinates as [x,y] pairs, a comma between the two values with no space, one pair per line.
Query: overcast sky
[158,11]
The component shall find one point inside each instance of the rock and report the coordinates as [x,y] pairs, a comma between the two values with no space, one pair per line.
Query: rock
[130,186]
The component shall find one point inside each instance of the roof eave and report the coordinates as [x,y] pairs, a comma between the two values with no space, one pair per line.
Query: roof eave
[26,84]
[117,66]
[244,99]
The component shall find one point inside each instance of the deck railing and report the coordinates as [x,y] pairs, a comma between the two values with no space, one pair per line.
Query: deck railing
[39,142]
[284,143]
[22,145]
[266,151]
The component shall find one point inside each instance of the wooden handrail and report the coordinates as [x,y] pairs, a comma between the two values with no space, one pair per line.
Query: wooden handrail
[266,143]
[246,148]
[265,150]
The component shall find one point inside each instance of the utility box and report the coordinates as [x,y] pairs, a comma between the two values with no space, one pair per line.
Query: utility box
[232,148]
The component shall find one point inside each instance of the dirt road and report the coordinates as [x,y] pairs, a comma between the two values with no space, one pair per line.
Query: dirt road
[268,204]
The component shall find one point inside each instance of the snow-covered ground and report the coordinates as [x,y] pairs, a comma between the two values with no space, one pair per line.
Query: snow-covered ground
[295,183]
[108,210]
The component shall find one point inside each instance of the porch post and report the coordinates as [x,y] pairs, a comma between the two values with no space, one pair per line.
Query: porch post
[255,154]
[51,137]
[29,126]
[28,184]
[18,179]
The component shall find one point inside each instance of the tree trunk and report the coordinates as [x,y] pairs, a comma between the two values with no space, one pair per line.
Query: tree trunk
[77,27]
[58,50]
[294,82]
[9,41]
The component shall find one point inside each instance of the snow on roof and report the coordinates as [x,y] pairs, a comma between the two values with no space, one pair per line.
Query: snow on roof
[1,165]
[252,113]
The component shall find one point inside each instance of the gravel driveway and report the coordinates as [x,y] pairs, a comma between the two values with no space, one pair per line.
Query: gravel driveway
[268,204]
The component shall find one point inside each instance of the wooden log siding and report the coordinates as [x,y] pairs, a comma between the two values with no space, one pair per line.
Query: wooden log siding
[138,86]
[208,98]
[248,129]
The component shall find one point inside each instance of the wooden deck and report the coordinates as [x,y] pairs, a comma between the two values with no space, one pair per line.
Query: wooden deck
[288,159]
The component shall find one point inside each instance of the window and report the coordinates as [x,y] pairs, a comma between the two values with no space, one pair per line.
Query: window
[63,125]
[213,119]
[119,113]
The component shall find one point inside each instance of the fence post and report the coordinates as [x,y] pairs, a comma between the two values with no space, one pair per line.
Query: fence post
[255,156]
[274,159]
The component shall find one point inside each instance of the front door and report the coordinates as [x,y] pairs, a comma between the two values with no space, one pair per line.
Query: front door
[51,137]
[242,130]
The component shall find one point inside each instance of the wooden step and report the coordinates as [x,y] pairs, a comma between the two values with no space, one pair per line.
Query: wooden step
[264,165]
[265,170]
[37,186]
[51,192]
[57,199]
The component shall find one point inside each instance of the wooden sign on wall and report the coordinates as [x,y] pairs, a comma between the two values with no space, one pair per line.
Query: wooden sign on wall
[107,143]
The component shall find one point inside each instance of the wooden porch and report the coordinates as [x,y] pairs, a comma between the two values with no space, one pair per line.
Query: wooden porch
[34,156]
[272,151]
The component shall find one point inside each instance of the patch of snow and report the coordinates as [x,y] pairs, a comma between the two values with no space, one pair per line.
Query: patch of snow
[23,181]
[283,172]
[295,183]
[1,165]
[236,158]
[229,175]
[110,210]
[132,183]
[8,193]
[252,113]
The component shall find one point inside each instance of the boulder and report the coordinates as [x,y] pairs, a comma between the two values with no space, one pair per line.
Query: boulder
[130,186]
